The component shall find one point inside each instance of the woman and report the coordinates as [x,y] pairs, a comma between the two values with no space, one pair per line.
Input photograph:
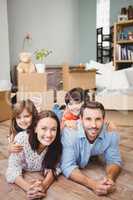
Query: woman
[23,113]
[41,152]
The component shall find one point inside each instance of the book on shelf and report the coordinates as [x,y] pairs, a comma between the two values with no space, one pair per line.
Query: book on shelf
[124,52]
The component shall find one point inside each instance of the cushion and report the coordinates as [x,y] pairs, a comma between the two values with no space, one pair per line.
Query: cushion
[118,81]
[129,73]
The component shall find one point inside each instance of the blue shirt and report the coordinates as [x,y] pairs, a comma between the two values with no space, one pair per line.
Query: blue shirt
[77,149]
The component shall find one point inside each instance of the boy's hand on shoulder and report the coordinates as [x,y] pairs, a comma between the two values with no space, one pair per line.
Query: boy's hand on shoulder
[111,126]
[70,124]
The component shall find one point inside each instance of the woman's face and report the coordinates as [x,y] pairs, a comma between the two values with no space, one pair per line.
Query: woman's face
[46,131]
[24,119]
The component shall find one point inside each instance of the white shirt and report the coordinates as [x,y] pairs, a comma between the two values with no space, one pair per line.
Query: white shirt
[27,159]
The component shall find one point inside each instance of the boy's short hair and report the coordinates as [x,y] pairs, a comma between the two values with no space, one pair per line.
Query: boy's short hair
[92,105]
[75,94]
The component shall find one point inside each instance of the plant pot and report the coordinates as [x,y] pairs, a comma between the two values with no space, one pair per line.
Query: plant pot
[40,68]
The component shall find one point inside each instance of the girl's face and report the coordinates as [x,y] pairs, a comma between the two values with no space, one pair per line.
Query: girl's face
[46,131]
[24,119]
[74,107]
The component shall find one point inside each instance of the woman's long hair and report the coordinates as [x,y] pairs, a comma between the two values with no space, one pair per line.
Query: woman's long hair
[17,110]
[53,154]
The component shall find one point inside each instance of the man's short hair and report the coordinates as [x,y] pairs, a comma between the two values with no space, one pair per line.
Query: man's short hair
[92,105]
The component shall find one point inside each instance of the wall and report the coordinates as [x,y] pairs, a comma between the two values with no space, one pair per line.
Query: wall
[54,25]
[4,46]
[87,30]
[115,8]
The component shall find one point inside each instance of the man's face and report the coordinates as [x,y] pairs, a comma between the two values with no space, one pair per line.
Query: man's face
[92,121]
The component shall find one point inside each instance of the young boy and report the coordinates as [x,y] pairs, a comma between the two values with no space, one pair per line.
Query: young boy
[74,100]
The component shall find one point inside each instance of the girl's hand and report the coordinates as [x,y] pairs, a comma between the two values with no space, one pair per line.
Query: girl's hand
[15,148]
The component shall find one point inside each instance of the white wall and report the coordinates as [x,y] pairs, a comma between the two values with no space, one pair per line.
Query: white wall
[54,24]
[87,32]
[4,46]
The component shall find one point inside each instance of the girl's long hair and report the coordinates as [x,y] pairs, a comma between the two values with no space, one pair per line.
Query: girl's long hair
[17,110]
[53,154]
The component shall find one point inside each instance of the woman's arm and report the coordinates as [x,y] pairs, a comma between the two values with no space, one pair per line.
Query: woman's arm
[22,183]
[48,180]
[33,189]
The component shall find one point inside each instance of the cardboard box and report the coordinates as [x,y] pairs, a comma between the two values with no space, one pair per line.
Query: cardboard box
[78,77]
[42,100]
[32,82]
[5,106]
[61,97]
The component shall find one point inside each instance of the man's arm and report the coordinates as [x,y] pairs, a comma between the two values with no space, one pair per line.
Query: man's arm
[82,179]
[99,187]
[113,171]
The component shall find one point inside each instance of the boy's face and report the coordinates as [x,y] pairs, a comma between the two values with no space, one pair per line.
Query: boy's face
[74,107]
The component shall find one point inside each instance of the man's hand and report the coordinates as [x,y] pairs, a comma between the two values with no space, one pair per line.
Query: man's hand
[36,190]
[104,187]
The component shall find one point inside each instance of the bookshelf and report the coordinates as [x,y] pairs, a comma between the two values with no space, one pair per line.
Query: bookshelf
[123,44]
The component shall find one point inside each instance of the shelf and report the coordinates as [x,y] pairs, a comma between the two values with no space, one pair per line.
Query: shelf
[124,61]
[125,23]
[122,48]
[124,42]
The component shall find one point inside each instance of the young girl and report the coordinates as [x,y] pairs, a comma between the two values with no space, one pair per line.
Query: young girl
[24,112]
[41,152]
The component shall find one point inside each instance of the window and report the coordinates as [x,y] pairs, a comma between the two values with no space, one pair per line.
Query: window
[103,15]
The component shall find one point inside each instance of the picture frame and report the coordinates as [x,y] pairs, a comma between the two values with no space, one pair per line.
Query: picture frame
[122,18]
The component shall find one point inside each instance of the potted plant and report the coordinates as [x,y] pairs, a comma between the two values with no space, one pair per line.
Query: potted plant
[40,55]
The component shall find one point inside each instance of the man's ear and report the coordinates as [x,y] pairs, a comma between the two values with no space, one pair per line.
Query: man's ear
[104,119]
[80,118]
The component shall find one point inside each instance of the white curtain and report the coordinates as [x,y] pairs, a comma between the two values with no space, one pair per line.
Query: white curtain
[103,15]
[4,46]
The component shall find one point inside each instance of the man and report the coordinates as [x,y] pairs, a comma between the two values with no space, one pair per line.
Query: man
[89,139]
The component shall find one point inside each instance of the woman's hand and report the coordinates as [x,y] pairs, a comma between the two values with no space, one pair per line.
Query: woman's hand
[36,190]
[15,148]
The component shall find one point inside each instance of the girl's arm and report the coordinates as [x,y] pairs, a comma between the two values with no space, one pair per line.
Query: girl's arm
[14,147]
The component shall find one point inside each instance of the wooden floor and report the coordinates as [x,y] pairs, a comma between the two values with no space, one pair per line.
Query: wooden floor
[64,189]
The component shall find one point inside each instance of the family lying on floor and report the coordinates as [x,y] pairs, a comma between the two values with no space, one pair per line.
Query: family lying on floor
[55,144]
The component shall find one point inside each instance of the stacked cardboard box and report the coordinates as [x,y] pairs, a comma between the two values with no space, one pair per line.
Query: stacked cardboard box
[5,106]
